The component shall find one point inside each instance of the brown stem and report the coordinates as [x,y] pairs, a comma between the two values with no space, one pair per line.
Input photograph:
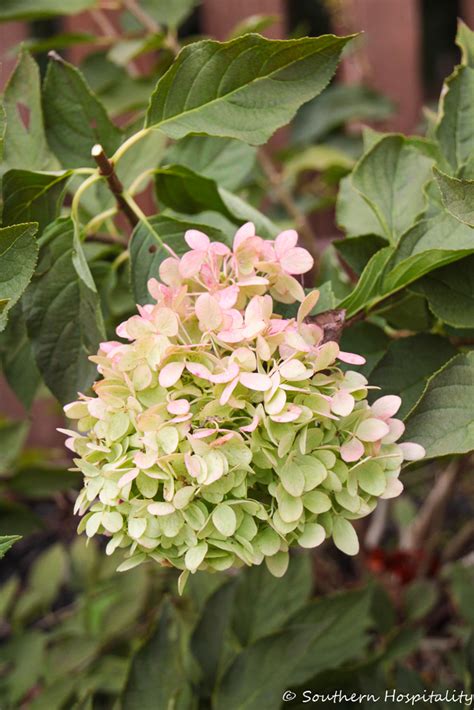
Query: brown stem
[150,24]
[106,239]
[109,31]
[107,170]
[285,197]
[459,542]
[428,519]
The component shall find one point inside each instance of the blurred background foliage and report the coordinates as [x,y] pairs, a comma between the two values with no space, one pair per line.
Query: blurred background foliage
[75,634]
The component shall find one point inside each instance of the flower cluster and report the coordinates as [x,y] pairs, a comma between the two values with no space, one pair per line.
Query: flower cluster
[220,433]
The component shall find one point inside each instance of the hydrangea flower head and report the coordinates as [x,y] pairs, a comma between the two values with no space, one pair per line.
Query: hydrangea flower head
[221,434]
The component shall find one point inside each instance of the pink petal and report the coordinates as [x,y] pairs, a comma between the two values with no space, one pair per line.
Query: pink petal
[351,358]
[227,297]
[285,241]
[182,418]
[256,381]
[253,329]
[372,430]
[396,431]
[127,477]
[253,281]
[178,406]
[170,374]
[289,415]
[197,240]
[307,305]
[244,232]
[154,287]
[169,272]
[190,264]
[227,392]
[252,426]
[121,331]
[412,451]
[229,374]
[393,489]
[297,261]
[386,407]
[208,311]
[342,403]
[352,450]
[192,465]
[223,439]
[198,370]
[203,433]
[144,459]
[232,336]
[219,249]
[110,346]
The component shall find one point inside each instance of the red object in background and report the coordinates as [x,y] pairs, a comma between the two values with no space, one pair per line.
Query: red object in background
[403,564]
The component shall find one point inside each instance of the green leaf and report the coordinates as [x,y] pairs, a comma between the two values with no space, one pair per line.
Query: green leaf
[370,285]
[147,253]
[428,245]
[442,421]
[62,313]
[465,41]
[253,23]
[18,519]
[45,579]
[6,541]
[455,130]
[408,311]
[12,438]
[28,651]
[264,603]
[116,89]
[37,9]
[225,160]
[210,639]
[171,14]
[157,678]
[74,117]
[391,177]
[16,357]
[245,88]
[37,45]
[18,255]
[450,293]
[25,140]
[398,372]
[420,598]
[318,158]
[357,251]
[187,192]
[338,105]
[43,482]
[458,196]
[461,581]
[353,214]
[323,635]
[33,196]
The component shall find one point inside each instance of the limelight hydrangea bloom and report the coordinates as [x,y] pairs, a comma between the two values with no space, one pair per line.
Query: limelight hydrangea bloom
[220,434]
